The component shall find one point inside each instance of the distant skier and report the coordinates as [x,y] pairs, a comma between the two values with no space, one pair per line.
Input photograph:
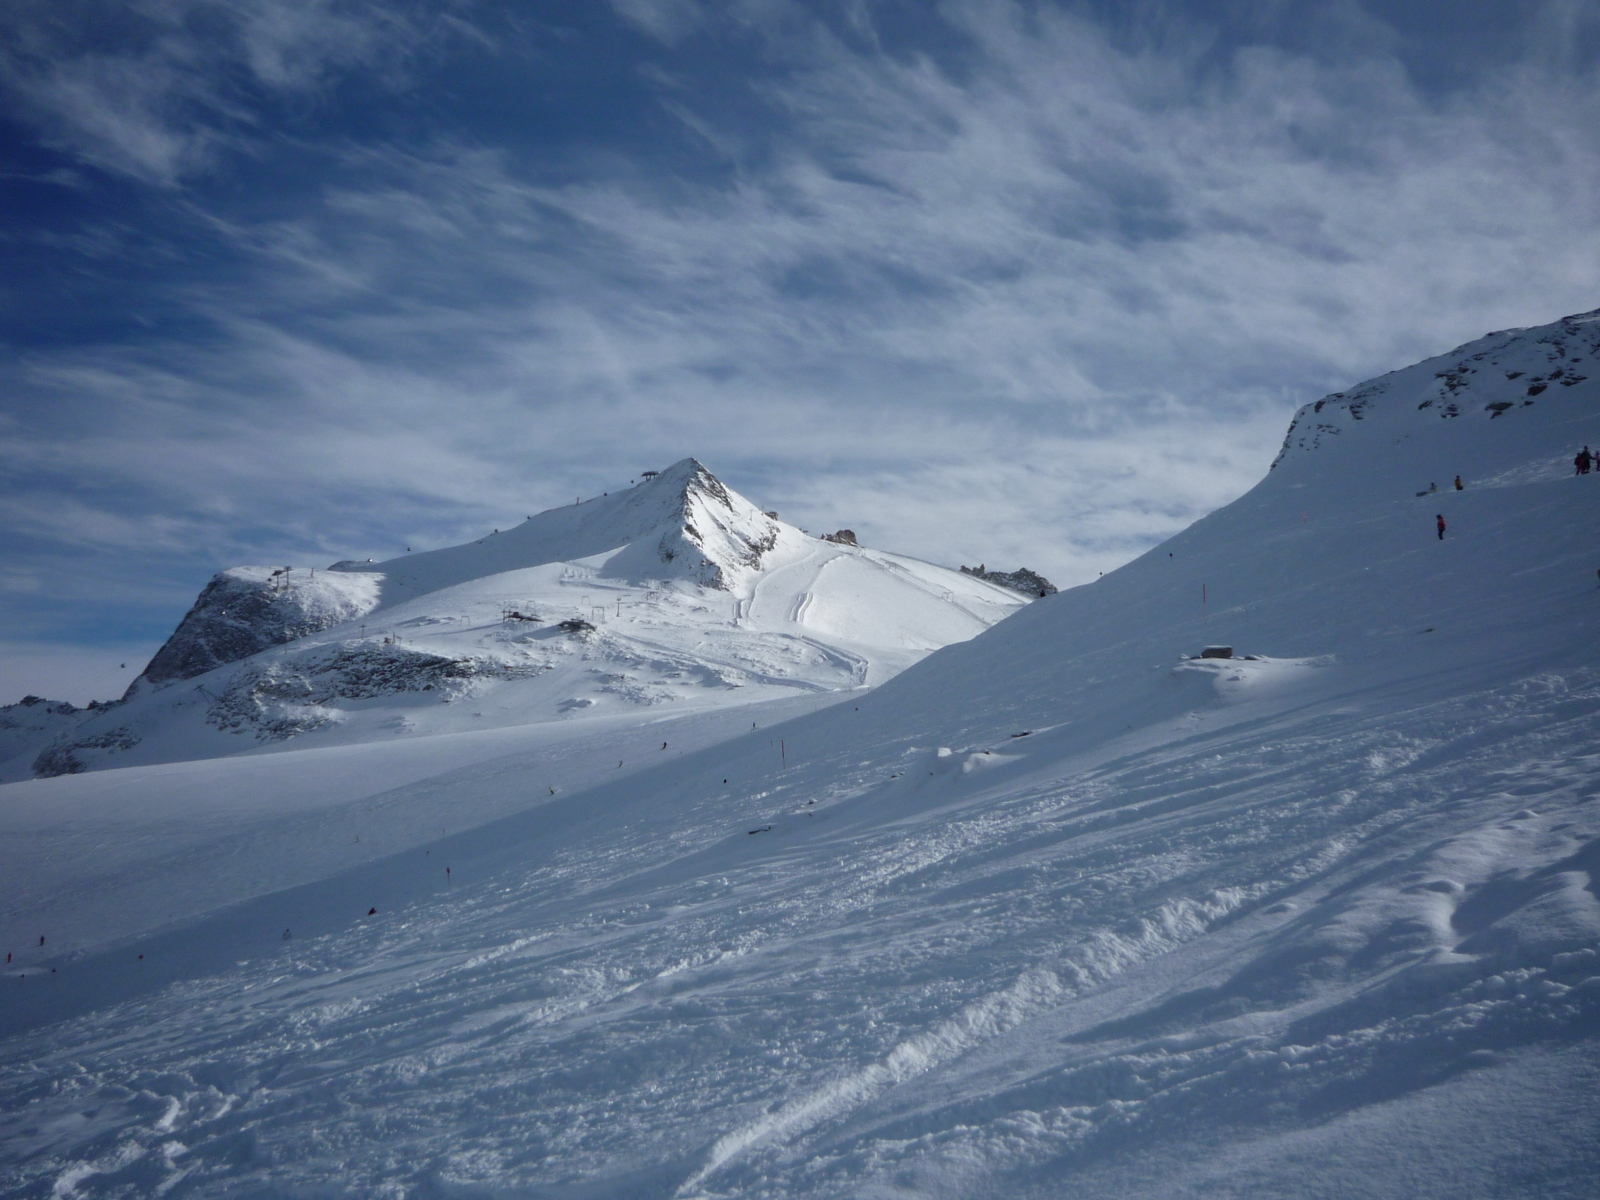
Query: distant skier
[1439,518]
[1583,462]
[1460,487]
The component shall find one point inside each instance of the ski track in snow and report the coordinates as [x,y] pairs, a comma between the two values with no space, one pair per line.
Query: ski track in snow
[708,1030]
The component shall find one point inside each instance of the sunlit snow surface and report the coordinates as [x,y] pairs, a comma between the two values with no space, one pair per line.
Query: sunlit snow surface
[689,598]
[1318,923]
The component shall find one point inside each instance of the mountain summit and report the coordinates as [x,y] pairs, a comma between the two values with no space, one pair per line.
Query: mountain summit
[676,591]
[684,523]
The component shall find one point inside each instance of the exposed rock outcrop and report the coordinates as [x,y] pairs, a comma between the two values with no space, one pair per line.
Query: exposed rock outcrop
[281,698]
[75,755]
[244,610]
[1497,375]
[1029,583]
[35,720]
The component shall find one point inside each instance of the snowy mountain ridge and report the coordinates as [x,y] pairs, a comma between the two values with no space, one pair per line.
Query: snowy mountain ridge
[682,523]
[655,527]
[1497,376]
[675,592]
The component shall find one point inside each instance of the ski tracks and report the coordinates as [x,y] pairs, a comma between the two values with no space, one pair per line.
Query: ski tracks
[557,1023]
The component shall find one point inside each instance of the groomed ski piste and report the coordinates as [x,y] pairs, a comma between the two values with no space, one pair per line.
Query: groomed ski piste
[1064,909]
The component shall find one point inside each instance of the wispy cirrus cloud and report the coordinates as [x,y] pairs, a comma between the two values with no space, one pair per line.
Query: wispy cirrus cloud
[1029,290]
[152,88]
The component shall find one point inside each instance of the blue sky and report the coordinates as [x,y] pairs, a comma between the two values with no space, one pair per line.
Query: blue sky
[1025,283]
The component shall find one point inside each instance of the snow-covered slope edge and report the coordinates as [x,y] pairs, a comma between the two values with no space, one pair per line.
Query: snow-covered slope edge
[1057,911]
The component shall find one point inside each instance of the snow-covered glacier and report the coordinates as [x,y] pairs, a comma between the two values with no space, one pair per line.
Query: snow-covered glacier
[1063,909]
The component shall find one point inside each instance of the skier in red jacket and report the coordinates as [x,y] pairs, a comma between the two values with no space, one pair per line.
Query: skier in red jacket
[1440,519]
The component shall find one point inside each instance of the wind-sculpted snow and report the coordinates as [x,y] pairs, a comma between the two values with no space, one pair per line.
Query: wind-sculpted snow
[964,987]
[1061,910]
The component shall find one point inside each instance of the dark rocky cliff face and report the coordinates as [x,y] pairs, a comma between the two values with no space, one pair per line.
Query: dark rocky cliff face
[1029,583]
[247,609]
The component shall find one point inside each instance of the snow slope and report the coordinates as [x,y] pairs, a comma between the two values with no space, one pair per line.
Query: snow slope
[683,523]
[1060,910]
[688,595]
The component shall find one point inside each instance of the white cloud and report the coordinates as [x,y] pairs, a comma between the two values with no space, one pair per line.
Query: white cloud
[669,21]
[1045,311]
[154,87]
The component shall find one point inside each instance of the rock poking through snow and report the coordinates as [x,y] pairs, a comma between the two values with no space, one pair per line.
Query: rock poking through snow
[246,609]
[1029,583]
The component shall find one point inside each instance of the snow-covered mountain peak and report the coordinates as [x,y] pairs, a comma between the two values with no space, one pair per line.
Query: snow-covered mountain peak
[682,523]
[712,535]
[676,591]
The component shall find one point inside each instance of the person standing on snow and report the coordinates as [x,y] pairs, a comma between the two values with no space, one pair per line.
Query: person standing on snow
[1460,487]
[1440,519]
[1583,462]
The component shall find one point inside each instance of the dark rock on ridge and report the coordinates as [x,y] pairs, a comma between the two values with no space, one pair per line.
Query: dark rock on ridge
[244,610]
[1029,583]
